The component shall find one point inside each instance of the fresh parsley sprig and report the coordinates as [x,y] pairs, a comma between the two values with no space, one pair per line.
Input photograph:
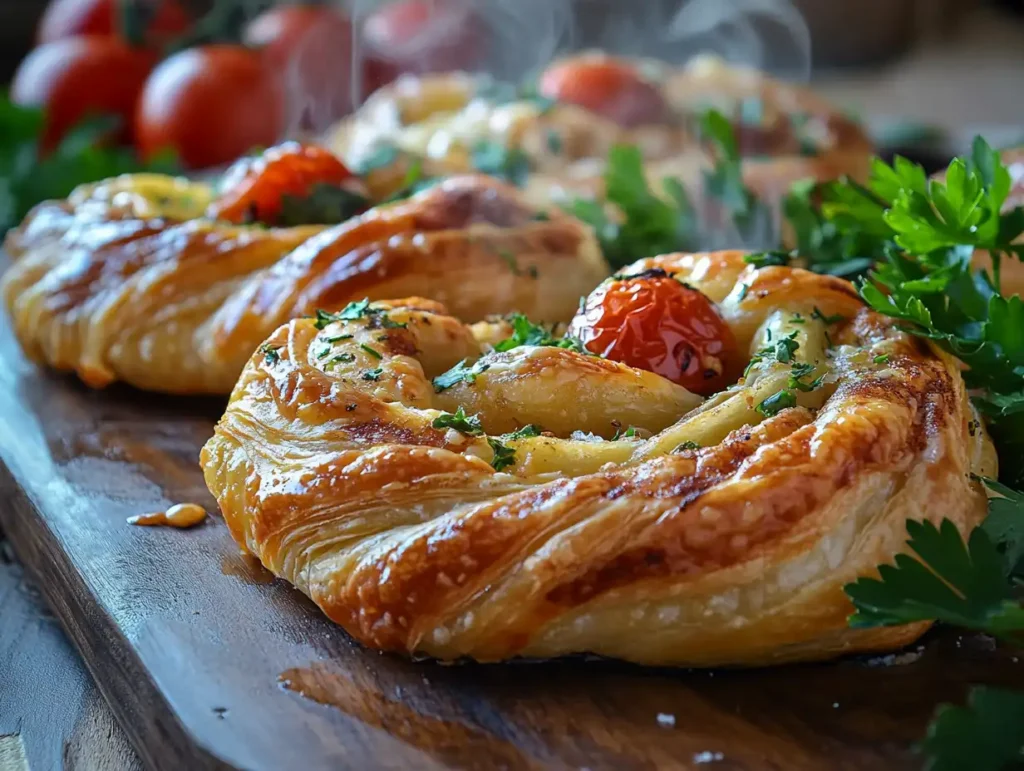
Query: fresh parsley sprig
[460,421]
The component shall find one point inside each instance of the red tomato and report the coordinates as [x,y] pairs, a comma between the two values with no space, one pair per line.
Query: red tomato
[420,36]
[74,78]
[210,104]
[253,188]
[651,321]
[66,18]
[605,86]
[310,47]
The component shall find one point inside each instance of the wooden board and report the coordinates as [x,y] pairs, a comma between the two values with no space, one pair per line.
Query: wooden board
[208,663]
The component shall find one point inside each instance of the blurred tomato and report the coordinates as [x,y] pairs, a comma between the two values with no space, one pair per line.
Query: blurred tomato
[66,18]
[310,48]
[420,36]
[211,105]
[608,87]
[74,78]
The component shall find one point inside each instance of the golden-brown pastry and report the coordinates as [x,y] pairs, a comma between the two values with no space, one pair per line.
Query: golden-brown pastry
[377,474]
[128,280]
[786,132]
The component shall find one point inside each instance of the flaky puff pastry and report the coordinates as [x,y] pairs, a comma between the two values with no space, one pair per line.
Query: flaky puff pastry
[127,281]
[787,132]
[724,537]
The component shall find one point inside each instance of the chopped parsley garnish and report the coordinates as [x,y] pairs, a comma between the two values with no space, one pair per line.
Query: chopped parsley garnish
[798,373]
[460,421]
[342,358]
[353,312]
[372,351]
[767,259]
[525,332]
[829,320]
[373,374]
[776,403]
[270,353]
[457,374]
[629,433]
[503,456]
[781,351]
[687,445]
[508,163]
[526,432]
[881,359]
[324,205]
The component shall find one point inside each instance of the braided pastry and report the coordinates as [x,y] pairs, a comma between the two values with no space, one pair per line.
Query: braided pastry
[133,279]
[435,491]
[787,133]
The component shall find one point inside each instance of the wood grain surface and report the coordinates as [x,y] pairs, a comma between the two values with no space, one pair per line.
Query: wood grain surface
[208,663]
[51,715]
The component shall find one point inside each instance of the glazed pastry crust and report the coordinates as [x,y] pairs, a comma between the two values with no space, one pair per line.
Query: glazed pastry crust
[438,118]
[127,281]
[733,553]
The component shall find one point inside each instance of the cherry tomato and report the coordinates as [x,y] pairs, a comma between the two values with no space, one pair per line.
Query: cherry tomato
[310,47]
[420,36]
[253,188]
[67,18]
[210,104]
[652,321]
[75,78]
[605,86]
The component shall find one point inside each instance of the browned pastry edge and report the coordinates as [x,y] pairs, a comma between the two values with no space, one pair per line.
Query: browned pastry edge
[113,291]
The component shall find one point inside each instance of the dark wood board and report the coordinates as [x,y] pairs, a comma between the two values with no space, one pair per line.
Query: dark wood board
[194,646]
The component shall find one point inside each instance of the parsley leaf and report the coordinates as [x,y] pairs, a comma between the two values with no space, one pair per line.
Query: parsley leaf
[776,403]
[503,456]
[373,374]
[644,224]
[525,332]
[457,374]
[526,432]
[323,205]
[986,735]
[1005,525]
[460,421]
[270,353]
[961,584]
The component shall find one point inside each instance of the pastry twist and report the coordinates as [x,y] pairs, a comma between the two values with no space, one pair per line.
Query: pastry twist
[786,132]
[407,499]
[128,280]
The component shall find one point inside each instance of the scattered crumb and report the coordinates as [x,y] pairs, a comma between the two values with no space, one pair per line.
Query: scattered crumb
[666,720]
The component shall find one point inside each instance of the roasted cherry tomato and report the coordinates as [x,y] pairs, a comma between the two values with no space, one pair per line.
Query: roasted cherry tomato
[608,87]
[253,189]
[211,105]
[310,48]
[420,36]
[67,18]
[652,321]
[79,77]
